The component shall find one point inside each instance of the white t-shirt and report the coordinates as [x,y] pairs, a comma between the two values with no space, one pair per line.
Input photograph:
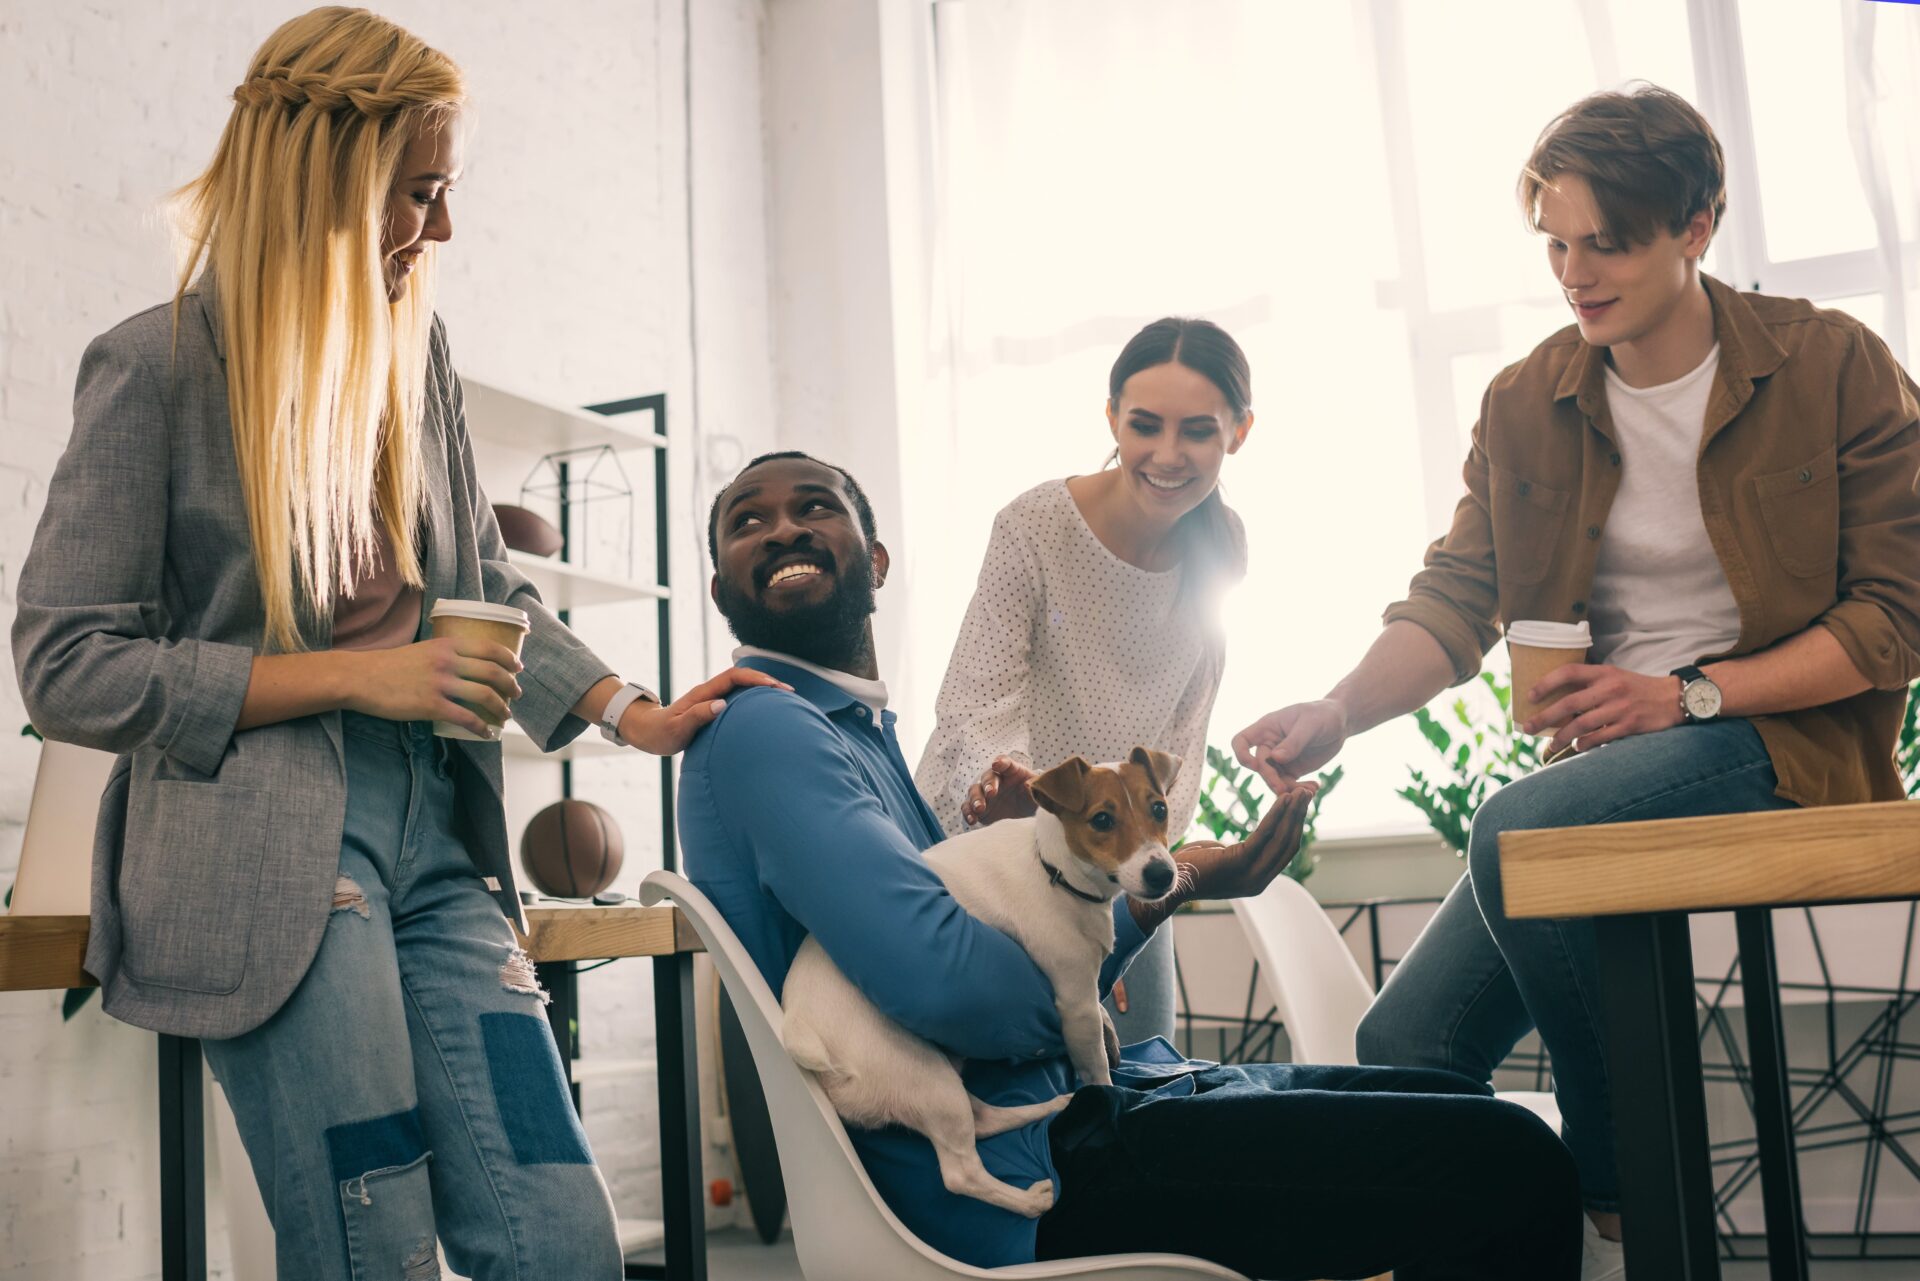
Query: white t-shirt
[1660,599]
[1068,649]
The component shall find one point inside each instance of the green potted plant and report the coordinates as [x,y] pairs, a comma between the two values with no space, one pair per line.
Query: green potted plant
[1479,751]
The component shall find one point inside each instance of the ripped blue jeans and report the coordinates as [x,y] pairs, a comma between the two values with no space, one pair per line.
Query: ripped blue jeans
[409,1088]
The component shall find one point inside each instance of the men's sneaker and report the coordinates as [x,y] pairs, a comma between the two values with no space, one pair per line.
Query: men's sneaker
[1600,1259]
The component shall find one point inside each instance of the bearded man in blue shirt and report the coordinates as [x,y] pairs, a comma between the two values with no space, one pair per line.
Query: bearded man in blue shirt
[798,816]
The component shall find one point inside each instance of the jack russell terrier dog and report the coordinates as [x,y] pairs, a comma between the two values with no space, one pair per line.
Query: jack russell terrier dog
[1049,883]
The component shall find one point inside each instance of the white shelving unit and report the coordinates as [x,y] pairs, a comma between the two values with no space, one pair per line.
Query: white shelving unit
[501,416]
[564,586]
[587,745]
[504,418]
[637,1235]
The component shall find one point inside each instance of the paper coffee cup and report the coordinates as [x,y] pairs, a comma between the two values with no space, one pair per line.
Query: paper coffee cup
[477,620]
[1536,649]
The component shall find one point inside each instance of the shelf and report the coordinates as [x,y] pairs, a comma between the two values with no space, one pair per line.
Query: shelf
[642,1234]
[589,745]
[564,586]
[505,417]
[598,1069]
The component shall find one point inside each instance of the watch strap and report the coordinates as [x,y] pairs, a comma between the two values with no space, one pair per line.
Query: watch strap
[1688,674]
[624,697]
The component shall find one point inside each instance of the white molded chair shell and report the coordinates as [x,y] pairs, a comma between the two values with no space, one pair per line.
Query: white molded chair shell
[1317,987]
[842,1230]
[1314,982]
[55,875]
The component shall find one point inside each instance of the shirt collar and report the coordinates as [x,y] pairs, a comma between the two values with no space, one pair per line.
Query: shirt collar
[846,688]
[1747,351]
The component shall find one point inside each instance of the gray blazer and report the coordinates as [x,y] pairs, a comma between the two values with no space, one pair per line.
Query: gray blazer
[139,617]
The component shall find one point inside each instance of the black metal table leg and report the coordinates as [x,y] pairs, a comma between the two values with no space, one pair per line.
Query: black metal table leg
[183,1163]
[682,1203]
[562,982]
[1659,1099]
[1772,1106]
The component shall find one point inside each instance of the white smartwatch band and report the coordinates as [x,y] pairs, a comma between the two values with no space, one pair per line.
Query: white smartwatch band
[617,706]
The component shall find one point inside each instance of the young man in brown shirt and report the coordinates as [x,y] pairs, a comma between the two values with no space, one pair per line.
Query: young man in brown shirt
[1723,486]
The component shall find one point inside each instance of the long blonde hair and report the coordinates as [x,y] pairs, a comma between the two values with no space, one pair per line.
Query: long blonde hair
[326,379]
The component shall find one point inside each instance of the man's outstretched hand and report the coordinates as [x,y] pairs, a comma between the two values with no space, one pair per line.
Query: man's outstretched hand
[1284,746]
[1211,870]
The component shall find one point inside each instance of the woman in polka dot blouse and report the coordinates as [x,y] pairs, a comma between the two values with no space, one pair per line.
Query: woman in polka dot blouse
[1094,627]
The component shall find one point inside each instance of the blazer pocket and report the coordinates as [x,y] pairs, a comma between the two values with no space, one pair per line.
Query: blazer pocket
[1800,507]
[1527,517]
[189,878]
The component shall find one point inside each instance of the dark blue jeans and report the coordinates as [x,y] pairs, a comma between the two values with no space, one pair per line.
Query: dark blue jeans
[1476,982]
[1282,1171]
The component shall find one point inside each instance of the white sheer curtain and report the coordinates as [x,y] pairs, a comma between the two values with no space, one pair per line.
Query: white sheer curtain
[1334,184]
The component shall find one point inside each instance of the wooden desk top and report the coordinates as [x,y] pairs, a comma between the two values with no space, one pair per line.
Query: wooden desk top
[1782,858]
[46,951]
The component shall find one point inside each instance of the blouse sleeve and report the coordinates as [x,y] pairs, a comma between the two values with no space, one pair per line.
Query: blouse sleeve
[983,708]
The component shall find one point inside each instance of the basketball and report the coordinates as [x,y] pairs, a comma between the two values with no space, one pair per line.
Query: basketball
[571,849]
[526,531]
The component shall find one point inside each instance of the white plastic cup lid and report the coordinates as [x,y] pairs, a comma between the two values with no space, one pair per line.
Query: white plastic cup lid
[480,609]
[1543,635]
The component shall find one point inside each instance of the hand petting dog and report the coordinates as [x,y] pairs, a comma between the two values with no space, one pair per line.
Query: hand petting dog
[1002,792]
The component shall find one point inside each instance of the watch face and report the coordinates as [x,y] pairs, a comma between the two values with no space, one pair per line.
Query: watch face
[1702,699]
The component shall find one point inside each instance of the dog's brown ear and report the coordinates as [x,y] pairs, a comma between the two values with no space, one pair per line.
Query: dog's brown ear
[1062,789]
[1160,767]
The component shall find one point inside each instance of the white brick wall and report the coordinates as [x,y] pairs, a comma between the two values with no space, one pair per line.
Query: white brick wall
[568,276]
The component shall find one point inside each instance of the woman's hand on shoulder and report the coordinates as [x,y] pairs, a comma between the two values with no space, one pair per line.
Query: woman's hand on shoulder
[1002,792]
[666,730]
[465,682]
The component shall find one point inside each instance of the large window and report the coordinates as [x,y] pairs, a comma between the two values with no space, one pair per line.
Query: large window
[1334,183]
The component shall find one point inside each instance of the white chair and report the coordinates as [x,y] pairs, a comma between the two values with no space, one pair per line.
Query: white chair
[842,1230]
[55,878]
[1317,987]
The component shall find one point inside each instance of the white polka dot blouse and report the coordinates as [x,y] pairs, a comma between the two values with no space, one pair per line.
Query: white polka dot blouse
[1067,649]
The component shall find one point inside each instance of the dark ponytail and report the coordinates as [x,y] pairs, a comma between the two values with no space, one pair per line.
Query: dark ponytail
[1212,554]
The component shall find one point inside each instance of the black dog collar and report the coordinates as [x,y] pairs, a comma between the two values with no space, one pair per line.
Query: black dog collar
[1054,875]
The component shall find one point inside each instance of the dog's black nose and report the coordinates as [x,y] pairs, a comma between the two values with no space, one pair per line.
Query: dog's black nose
[1158,877]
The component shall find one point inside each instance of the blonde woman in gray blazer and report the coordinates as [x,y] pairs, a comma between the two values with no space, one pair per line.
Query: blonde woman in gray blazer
[268,486]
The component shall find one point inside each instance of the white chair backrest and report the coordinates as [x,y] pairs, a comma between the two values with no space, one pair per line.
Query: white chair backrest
[1317,985]
[1318,988]
[56,854]
[842,1230]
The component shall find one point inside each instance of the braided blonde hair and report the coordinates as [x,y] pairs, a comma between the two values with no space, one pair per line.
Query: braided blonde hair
[325,377]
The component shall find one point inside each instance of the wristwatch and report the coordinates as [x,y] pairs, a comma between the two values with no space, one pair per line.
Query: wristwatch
[617,706]
[1699,697]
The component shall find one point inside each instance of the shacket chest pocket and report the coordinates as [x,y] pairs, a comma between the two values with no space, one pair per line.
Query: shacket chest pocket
[1527,519]
[1800,507]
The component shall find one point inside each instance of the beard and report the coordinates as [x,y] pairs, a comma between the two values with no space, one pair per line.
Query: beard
[828,633]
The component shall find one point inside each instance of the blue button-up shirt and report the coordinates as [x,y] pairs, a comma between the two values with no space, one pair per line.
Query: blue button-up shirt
[799,816]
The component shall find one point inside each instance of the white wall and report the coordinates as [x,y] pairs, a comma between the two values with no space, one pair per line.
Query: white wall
[570,276]
[847,89]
